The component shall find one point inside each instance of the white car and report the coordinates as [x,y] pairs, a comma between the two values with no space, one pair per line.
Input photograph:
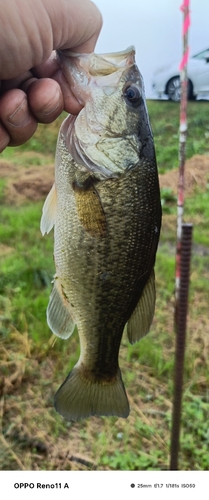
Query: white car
[166,80]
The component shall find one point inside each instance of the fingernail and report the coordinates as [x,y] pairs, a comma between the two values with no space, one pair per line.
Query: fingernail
[18,117]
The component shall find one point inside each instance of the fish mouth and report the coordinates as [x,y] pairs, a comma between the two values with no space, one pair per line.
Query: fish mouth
[93,78]
[84,71]
[102,64]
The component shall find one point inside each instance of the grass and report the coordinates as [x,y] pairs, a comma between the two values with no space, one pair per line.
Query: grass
[164,118]
[33,364]
[42,146]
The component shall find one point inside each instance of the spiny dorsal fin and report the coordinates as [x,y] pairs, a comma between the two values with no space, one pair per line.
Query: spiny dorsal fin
[49,211]
[89,209]
[59,317]
[142,316]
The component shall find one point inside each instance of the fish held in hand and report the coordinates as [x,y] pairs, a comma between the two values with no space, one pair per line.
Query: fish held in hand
[106,212]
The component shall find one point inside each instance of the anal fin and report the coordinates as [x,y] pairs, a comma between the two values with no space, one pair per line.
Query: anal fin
[141,319]
[59,317]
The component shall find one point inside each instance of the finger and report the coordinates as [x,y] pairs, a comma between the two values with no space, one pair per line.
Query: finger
[48,68]
[15,83]
[45,99]
[71,104]
[81,26]
[16,117]
[4,138]
[51,69]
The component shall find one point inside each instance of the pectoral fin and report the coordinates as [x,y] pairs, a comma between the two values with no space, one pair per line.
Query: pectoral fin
[49,211]
[89,210]
[59,317]
[142,316]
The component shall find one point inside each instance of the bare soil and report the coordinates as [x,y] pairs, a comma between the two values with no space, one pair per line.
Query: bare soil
[34,183]
[196,174]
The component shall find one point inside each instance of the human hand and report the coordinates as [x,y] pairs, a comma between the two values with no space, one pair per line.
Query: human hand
[29,33]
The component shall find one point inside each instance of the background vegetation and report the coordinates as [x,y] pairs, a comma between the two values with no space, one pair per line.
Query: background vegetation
[33,363]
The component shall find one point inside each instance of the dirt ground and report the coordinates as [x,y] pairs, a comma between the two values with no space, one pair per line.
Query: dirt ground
[26,184]
[34,183]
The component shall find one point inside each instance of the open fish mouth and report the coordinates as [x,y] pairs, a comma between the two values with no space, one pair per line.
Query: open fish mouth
[102,64]
[90,70]
[98,83]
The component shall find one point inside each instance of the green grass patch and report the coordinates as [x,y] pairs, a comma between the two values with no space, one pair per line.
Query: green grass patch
[164,118]
[34,363]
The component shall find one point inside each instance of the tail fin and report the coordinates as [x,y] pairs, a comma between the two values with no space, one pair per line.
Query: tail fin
[79,398]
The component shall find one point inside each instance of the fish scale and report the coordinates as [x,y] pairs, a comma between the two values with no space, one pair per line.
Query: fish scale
[106,232]
[101,256]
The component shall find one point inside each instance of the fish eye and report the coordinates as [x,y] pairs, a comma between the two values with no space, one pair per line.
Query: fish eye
[132,95]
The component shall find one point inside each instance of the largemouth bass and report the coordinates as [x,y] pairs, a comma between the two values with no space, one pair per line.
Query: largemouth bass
[106,212]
